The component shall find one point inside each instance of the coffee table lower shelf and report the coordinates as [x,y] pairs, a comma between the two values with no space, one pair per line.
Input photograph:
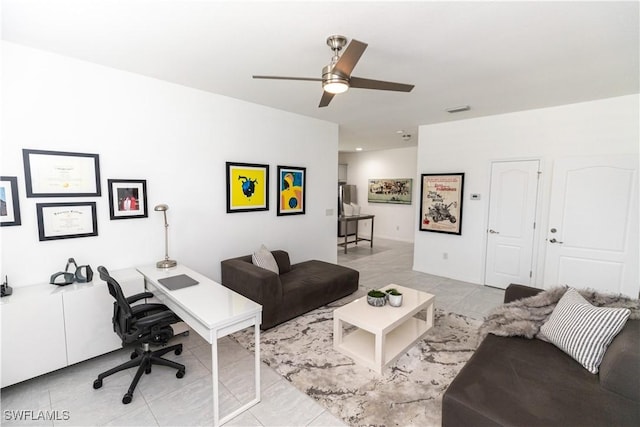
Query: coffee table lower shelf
[360,344]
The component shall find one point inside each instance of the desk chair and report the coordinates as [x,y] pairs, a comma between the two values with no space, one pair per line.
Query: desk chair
[145,324]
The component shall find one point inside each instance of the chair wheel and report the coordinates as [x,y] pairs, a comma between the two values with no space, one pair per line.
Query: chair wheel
[178,351]
[127,398]
[185,334]
[180,374]
[148,370]
[97,384]
[134,355]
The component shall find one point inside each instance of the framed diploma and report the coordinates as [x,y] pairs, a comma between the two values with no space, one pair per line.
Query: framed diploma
[66,220]
[9,202]
[58,174]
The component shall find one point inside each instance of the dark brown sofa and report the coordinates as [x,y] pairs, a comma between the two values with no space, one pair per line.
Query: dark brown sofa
[298,288]
[513,381]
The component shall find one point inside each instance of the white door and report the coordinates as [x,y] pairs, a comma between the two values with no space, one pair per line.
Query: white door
[592,239]
[512,211]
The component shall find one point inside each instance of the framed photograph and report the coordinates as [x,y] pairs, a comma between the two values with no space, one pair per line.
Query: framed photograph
[127,198]
[291,190]
[61,174]
[66,220]
[396,190]
[9,202]
[441,203]
[247,187]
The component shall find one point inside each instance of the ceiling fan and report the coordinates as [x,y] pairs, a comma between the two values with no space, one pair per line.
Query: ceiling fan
[337,78]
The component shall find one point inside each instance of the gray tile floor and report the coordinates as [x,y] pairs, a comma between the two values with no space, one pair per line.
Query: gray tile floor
[67,395]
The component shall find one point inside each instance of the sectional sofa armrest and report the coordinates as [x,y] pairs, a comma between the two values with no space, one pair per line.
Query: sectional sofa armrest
[516,292]
[256,283]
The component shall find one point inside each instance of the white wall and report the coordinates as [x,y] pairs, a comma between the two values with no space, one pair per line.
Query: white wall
[176,138]
[609,126]
[392,221]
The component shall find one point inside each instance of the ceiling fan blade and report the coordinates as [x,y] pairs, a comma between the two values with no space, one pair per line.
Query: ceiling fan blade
[350,57]
[361,83]
[310,79]
[326,99]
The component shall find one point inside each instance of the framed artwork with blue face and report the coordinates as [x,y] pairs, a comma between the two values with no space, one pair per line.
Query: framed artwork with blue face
[291,190]
[247,187]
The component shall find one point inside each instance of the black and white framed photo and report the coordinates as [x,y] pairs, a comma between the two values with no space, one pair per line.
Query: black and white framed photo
[61,174]
[66,220]
[9,201]
[292,190]
[127,198]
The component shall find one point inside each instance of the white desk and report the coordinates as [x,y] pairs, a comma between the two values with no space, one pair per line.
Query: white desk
[213,311]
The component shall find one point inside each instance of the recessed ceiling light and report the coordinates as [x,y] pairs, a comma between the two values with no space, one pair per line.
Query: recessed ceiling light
[359,149]
[458,109]
[400,131]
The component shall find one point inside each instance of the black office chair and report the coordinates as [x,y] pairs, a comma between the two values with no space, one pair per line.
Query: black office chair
[143,323]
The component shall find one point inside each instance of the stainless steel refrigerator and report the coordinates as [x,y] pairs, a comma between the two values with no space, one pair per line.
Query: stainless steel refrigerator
[346,194]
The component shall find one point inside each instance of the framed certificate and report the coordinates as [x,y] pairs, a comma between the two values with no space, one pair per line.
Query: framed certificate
[66,220]
[57,174]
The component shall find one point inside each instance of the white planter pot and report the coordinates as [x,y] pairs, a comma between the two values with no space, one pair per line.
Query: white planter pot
[395,300]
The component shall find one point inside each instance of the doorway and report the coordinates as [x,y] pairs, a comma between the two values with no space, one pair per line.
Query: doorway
[511,225]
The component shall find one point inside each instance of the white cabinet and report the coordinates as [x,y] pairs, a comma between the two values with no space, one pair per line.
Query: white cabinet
[47,327]
[33,341]
[88,311]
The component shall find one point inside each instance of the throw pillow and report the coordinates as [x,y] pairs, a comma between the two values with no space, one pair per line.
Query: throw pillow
[264,258]
[583,331]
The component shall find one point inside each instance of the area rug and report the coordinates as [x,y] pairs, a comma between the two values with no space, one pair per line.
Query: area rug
[408,393]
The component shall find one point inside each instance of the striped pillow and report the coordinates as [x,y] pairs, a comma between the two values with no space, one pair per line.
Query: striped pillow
[264,258]
[583,331]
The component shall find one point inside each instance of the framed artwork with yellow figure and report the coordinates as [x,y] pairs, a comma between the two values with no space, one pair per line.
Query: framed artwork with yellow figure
[291,190]
[247,187]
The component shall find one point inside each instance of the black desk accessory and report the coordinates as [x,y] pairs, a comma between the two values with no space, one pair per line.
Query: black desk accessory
[82,274]
[5,289]
[177,282]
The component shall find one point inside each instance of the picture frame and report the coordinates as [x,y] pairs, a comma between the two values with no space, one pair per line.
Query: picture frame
[66,220]
[292,190]
[394,190]
[247,187]
[441,197]
[9,201]
[127,198]
[61,174]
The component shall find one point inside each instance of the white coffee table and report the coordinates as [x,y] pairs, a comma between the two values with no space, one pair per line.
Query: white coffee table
[383,333]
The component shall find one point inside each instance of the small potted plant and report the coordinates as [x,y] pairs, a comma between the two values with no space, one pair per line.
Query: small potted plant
[376,298]
[395,297]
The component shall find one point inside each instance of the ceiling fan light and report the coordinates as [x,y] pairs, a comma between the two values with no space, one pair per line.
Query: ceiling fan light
[335,86]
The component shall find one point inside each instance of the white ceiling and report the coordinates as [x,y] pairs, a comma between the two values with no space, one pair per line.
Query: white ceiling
[497,57]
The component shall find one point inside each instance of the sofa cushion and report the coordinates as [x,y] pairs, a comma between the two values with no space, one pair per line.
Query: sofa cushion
[583,331]
[282,258]
[264,258]
[513,381]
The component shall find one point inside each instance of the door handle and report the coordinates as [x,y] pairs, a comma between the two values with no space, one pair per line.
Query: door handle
[554,240]
[493,232]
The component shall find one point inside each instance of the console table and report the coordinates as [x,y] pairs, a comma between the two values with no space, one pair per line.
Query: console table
[357,219]
[213,311]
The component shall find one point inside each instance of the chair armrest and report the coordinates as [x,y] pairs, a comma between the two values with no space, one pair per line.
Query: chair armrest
[138,297]
[516,292]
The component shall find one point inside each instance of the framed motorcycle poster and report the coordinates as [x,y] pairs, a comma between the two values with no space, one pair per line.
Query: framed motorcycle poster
[441,203]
